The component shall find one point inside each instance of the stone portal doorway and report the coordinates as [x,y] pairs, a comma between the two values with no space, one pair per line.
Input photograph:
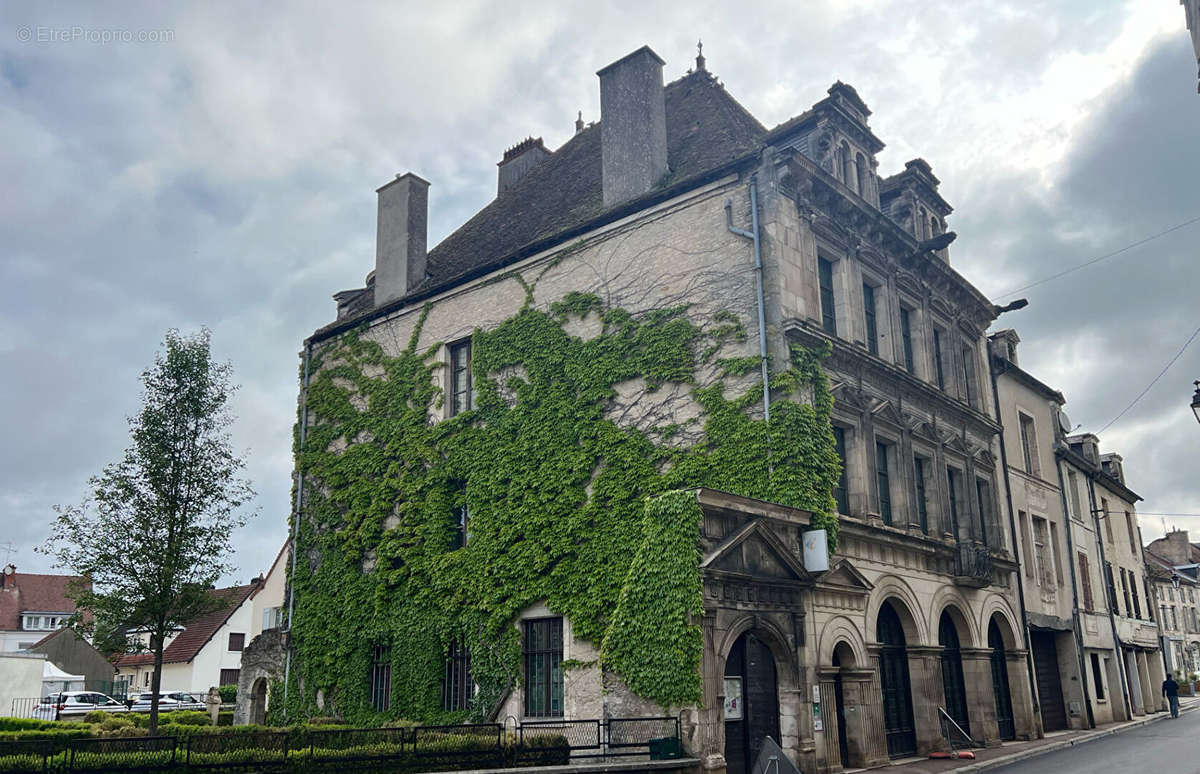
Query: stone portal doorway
[1049,683]
[258,702]
[842,658]
[750,671]
[1004,711]
[894,685]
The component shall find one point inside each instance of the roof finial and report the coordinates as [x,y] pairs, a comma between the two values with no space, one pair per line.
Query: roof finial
[579,123]
[700,55]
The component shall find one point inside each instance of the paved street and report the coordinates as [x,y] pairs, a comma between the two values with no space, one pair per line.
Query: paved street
[1165,747]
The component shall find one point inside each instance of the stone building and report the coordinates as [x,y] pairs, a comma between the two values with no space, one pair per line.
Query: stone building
[1172,563]
[679,202]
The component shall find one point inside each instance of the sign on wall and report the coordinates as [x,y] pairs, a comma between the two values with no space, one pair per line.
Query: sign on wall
[816,550]
[733,698]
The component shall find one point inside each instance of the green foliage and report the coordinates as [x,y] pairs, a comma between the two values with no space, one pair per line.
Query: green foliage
[154,535]
[228,694]
[556,491]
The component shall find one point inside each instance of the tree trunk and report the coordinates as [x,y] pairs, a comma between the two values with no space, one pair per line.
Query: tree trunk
[156,684]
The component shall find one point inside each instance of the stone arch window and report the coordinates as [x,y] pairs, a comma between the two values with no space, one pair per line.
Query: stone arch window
[860,164]
[847,159]
[935,228]
[924,222]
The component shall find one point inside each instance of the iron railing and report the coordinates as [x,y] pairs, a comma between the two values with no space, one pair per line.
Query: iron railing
[973,563]
[483,745]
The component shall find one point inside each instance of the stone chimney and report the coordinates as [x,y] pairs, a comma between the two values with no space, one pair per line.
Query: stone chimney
[518,160]
[401,237]
[1086,444]
[1003,344]
[1174,548]
[633,126]
[1113,465]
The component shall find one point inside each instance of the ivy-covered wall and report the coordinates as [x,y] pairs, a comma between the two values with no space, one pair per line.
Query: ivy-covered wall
[563,495]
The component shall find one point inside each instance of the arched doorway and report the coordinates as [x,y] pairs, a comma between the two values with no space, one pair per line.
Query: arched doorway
[894,684]
[258,702]
[953,684]
[750,671]
[843,658]
[1004,710]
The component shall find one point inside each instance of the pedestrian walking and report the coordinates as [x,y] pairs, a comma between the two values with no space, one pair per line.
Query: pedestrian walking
[1170,689]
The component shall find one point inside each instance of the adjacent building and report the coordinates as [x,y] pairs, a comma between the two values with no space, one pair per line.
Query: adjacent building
[802,312]
[1172,562]
[31,606]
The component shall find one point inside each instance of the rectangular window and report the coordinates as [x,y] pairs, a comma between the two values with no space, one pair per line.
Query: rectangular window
[1112,589]
[1125,592]
[840,495]
[543,651]
[881,473]
[1097,677]
[460,516]
[983,497]
[1045,572]
[1026,544]
[457,686]
[462,391]
[1029,452]
[1073,486]
[919,467]
[828,310]
[229,676]
[968,364]
[1058,570]
[937,359]
[381,678]
[1108,533]
[952,486]
[869,318]
[1133,594]
[1174,620]
[906,338]
[237,641]
[1132,526]
[1085,580]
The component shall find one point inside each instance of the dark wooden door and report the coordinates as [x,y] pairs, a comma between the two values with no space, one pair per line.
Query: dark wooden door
[1049,684]
[840,710]
[953,684]
[752,661]
[1004,711]
[894,685]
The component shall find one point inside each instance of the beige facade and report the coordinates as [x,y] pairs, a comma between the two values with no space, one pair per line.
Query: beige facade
[917,621]
[1172,568]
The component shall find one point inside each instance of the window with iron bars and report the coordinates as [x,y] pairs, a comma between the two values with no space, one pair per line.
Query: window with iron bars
[543,652]
[457,686]
[381,678]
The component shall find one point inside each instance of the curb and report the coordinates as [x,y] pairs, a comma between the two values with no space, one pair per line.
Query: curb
[1092,736]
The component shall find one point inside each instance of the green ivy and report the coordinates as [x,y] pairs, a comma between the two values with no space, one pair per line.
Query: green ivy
[557,495]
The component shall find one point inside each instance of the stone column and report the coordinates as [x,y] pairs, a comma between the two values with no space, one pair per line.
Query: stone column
[981,696]
[1157,675]
[925,675]
[1024,722]
[709,741]
[864,714]
[825,742]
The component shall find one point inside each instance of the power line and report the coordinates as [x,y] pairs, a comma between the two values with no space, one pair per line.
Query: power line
[1167,367]
[1085,264]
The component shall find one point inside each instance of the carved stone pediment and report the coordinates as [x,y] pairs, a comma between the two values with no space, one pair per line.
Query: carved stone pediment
[957,444]
[941,307]
[908,282]
[755,550]
[845,577]
[885,411]
[983,456]
[847,396]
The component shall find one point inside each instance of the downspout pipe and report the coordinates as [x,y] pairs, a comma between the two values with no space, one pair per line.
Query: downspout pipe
[287,664]
[1012,527]
[1075,617]
[753,236]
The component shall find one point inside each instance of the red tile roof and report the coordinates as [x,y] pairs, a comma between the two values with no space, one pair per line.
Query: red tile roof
[196,633]
[31,592]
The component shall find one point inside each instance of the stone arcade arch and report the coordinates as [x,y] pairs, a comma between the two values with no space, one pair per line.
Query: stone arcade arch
[895,685]
[954,687]
[1001,694]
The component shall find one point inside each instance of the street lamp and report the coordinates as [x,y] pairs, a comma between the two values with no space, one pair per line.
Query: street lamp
[1196,401]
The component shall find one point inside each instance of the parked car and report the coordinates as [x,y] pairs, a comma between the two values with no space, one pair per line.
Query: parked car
[74,704]
[168,701]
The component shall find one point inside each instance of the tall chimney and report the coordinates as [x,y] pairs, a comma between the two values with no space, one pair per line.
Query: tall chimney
[518,160]
[401,237]
[633,126]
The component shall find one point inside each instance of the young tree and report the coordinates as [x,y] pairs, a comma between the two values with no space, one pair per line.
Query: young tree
[154,534]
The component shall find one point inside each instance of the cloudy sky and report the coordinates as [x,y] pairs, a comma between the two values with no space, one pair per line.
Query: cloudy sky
[174,166]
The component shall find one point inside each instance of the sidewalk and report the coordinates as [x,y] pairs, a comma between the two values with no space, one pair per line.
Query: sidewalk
[1012,752]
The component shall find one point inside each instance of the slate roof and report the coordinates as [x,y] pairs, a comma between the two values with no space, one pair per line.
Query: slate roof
[706,129]
[196,633]
[32,592]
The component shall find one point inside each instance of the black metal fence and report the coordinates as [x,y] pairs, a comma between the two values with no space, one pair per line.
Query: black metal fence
[419,748]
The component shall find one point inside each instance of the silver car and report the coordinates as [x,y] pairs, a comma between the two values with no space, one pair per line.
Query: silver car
[75,704]
[168,701]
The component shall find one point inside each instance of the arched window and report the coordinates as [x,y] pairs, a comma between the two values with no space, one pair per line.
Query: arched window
[860,161]
[934,227]
[923,223]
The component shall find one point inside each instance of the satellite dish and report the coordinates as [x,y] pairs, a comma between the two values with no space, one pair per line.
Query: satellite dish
[1065,423]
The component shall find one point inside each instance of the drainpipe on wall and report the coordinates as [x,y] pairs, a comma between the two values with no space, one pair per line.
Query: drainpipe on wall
[287,664]
[1110,599]
[1075,618]
[753,236]
[1012,527]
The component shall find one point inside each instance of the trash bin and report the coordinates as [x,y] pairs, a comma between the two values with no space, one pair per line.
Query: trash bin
[665,747]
